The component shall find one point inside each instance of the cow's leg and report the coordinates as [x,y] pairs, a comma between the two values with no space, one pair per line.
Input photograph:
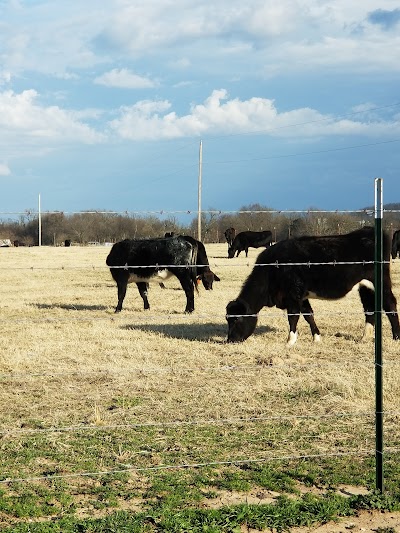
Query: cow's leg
[293,312]
[390,308]
[367,296]
[308,314]
[187,285]
[122,284]
[143,287]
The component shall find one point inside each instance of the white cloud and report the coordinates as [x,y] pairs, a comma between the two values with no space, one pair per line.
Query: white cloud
[220,115]
[4,170]
[63,38]
[5,77]
[22,117]
[345,53]
[124,79]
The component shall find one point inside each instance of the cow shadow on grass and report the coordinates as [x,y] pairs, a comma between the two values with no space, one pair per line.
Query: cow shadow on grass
[72,307]
[206,332]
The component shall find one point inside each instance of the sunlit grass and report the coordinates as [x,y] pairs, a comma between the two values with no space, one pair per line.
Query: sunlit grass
[95,405]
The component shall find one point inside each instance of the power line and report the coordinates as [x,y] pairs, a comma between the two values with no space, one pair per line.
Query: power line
[283,156]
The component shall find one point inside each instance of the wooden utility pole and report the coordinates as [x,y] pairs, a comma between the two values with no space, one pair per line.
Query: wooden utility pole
[199,192]
[40,224]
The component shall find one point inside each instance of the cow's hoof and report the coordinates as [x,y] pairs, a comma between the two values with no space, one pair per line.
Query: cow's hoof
[292,338]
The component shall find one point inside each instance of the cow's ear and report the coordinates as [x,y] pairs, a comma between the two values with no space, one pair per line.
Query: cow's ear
[216,278]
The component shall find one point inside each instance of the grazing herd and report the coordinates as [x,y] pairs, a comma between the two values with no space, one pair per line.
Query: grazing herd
[287,274]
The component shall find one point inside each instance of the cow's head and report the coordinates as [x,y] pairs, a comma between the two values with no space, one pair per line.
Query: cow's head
[231,252]
[208,277]
[241,322]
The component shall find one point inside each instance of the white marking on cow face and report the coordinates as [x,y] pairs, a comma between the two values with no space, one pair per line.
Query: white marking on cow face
[156,277]
[292,338]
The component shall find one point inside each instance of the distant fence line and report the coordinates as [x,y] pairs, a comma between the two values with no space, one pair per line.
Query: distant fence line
[29,212]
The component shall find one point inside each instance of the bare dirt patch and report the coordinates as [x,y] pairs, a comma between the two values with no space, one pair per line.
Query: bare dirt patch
[366,521]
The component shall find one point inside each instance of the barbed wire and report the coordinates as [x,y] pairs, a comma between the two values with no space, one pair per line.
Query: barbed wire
[188,465]
[265,363]
[158,266]
[185,317]
[181,423]
[162,212]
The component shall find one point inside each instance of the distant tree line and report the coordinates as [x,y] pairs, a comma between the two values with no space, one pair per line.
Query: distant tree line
[81,228]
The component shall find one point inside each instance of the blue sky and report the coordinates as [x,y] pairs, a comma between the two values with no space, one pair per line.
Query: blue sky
[103,104]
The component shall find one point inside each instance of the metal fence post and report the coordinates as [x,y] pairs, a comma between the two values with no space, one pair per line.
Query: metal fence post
[378,278]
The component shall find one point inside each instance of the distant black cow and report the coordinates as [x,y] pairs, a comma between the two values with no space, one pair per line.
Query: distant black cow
[169,234]
[249,239]
[67,242]
[290,287]
[18,243]
[230,234]
[141,261]
[396,244]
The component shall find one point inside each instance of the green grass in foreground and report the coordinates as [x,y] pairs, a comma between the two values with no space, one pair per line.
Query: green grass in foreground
[279,517]
[177,500]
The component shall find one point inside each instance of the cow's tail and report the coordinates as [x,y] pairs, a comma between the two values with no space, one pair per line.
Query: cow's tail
[193,266]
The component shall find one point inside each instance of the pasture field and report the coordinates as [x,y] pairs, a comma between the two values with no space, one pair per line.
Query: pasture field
[148,421]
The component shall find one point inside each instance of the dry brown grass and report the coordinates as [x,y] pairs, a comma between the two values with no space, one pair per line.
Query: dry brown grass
[68,360]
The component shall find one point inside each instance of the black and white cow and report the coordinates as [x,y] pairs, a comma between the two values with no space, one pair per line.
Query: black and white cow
[249,239]
[396,244]
[323,267]
[204,273]
[141,261]
[230,234]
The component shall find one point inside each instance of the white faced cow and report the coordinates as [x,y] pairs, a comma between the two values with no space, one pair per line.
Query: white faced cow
[142,261]
[323,267]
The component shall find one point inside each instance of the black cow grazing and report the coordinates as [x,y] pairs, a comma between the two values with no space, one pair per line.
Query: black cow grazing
[249,239]
[396,244]
[230,234]
[141,261]
[290,287]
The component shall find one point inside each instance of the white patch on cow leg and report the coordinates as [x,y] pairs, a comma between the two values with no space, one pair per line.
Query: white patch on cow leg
[292,338]
[317,338]
[368,331]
